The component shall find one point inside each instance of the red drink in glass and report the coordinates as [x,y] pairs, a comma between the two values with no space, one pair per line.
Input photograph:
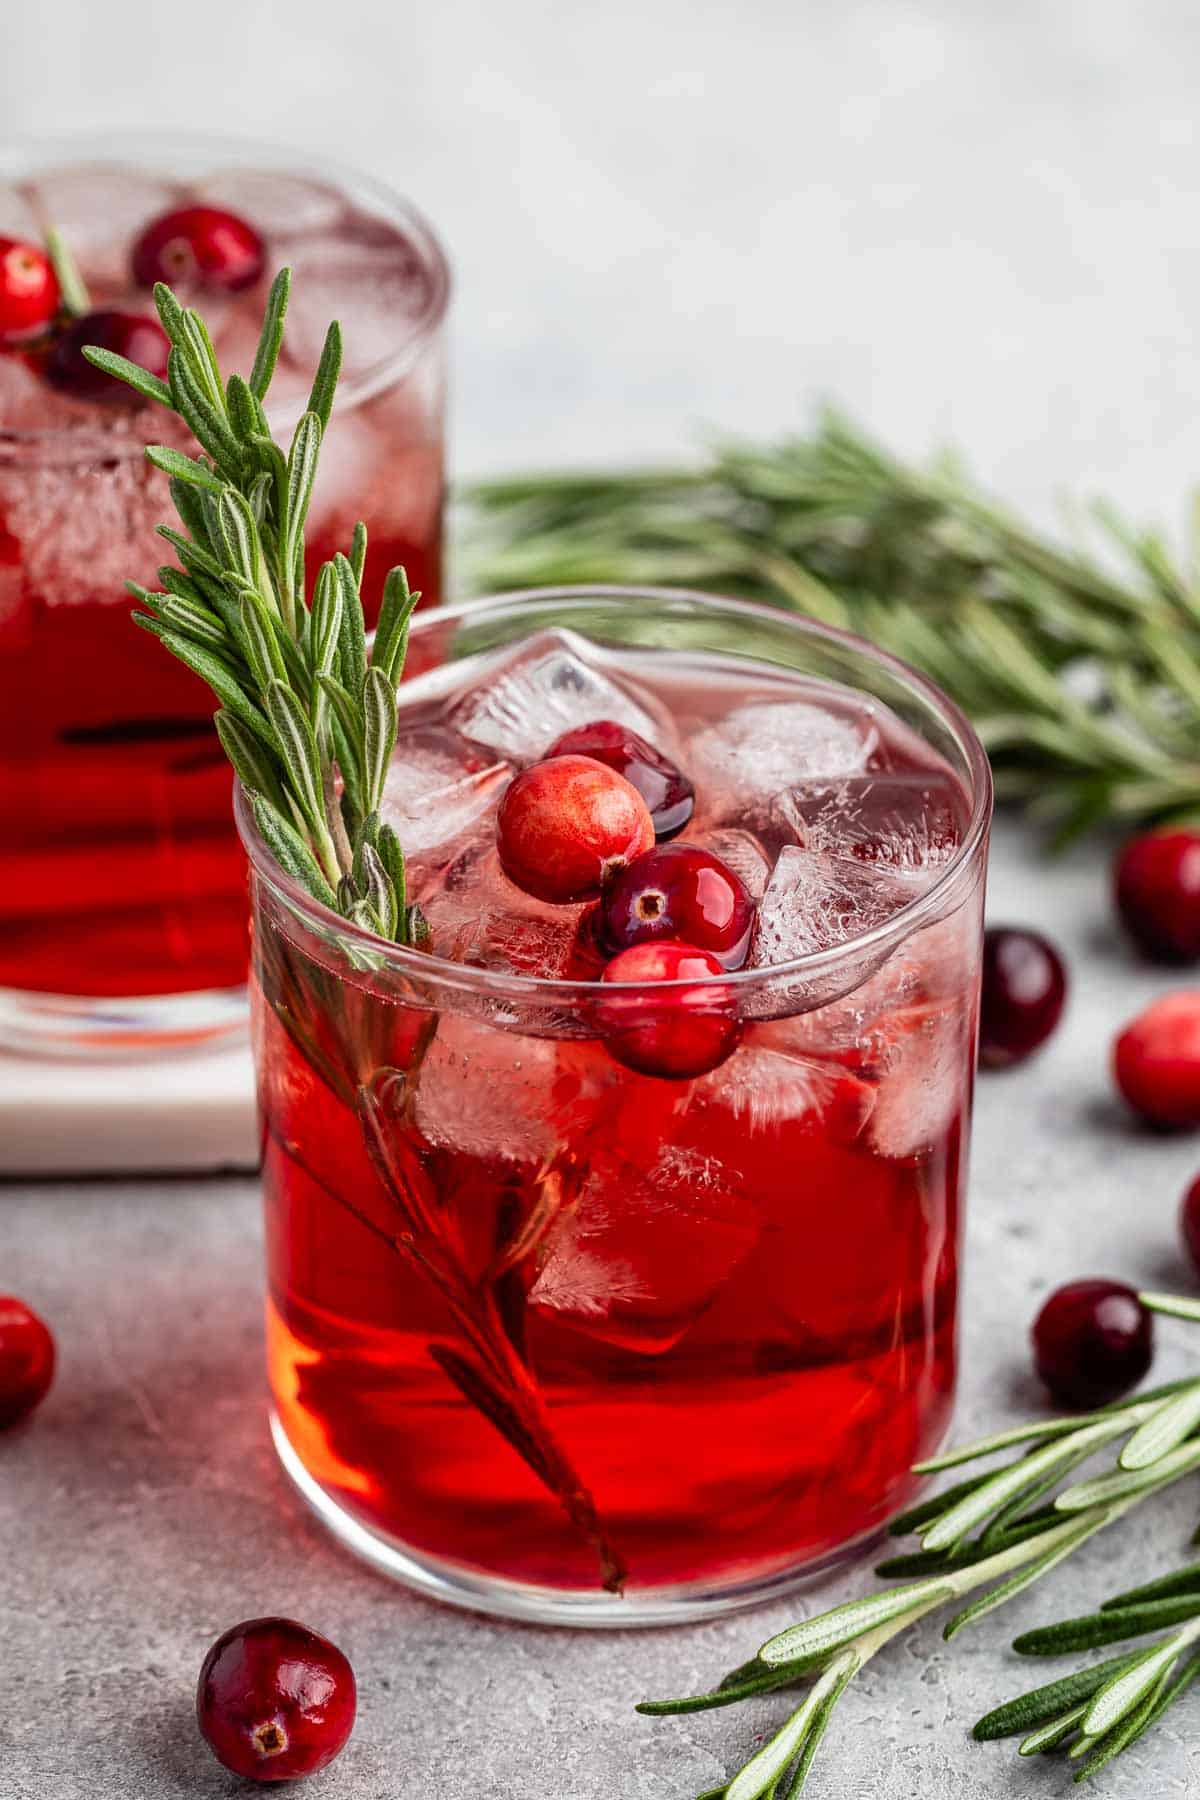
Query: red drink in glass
[123,917]
[559,1338]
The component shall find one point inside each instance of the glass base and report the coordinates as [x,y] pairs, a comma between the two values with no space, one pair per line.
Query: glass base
[474,1591]
[100,1026]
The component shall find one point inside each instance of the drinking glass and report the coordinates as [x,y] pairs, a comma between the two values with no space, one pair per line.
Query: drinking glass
[123,905]
[554,1338]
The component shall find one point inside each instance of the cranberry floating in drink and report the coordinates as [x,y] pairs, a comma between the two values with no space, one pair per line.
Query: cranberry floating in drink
[123,916]
[534,1235]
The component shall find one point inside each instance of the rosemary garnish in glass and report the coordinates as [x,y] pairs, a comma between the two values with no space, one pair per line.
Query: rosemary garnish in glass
[1000,1532]
[308,720]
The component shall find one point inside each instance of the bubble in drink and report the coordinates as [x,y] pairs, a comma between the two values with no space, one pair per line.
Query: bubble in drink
[644,1251]
[520,704]
[815,902]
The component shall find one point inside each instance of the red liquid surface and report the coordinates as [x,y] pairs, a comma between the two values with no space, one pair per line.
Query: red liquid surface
[535,1314]
[120,871]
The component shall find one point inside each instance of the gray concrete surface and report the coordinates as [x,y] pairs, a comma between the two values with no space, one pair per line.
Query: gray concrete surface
[142,1511]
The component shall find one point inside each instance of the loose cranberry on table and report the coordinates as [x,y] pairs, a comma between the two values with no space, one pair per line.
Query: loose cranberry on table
[275,1701]
[666,790]
[1156,1061]
[677,1035]
[1158,894]
[1024,987]
[200,245]
[1092,1341]
[680,892]
[26,1360]
[28,292]
[130,334]
[566,825]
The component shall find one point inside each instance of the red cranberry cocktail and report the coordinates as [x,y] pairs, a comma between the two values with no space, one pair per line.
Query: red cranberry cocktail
[123,916]
[613,1246]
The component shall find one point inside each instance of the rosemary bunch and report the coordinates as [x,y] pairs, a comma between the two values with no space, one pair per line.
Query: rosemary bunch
[1083,682]
[307,717]
[993,1535]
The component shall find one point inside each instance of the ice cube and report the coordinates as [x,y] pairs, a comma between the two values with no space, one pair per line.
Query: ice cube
[437,788]
[911,821]
[759,750]
[644,1251]
[16,215]
[766,1089]
[273,202]
[924,1077]
[739,851]
[100,208]
[478,916]
[379,292]
[815,901]
[488,1093]
[525,700]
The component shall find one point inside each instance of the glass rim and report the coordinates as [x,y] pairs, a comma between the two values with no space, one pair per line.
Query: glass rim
[874,945]
[19,160]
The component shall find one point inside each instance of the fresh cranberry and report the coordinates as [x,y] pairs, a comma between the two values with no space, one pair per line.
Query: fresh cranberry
[1189,1222]
[665,789]
[1024,987]
[567,824]
[684,1033]
[1156,1061]
[274,1700]
[1093,1341]
[199,245]
[683,893]
[1158,894]
[28,292]
[129,334]
[26,1360]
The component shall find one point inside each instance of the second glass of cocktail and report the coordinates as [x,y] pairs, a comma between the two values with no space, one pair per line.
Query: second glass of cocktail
[613,1246]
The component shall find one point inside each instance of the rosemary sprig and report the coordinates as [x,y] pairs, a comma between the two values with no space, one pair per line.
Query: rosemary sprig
[994,1535]
[1083,683]
[307,716]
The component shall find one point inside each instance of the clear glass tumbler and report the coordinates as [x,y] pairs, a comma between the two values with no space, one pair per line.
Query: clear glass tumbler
[550,1335]
[123,909]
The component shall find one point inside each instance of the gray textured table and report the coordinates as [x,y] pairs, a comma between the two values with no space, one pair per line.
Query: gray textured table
[143,1511]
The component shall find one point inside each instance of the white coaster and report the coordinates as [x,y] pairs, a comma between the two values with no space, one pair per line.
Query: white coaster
[89,1117]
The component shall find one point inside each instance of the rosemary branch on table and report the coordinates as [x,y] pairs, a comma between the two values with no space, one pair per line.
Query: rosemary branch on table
[307,717]
[1080,668]
[994,1534]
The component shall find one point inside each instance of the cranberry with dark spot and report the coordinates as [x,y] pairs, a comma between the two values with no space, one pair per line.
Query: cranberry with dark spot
[1093,1340]
[28,292]
[1158,894]
[1024,988]
[665,789]
[275,1701]
[199,246]
[684,893]
[680,1034]
[567,825]
[1156,1061]
[26,1360]
[130,334]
